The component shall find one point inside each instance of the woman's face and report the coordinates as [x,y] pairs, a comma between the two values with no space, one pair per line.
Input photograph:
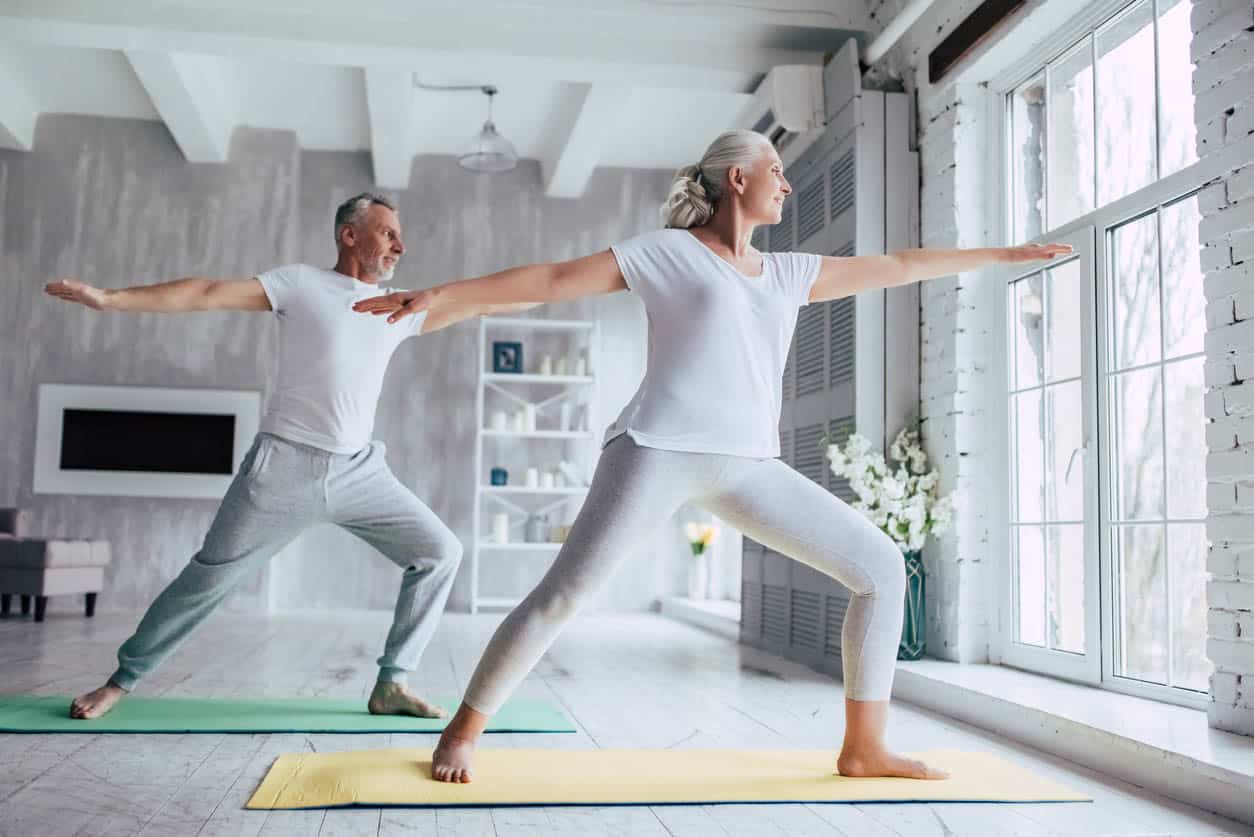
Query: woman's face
[765,188]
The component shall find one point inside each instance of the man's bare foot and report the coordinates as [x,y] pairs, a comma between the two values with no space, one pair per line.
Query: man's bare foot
[395,699]
[451,760]
[96,703]
[885,764]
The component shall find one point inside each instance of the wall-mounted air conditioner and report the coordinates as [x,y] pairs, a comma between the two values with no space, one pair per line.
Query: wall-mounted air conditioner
[788,108]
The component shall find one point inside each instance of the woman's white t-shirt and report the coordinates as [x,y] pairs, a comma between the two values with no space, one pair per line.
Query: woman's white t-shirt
[331,358]
[718,342]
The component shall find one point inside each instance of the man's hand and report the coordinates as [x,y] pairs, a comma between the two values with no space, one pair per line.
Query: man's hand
[72,290]
[398,305]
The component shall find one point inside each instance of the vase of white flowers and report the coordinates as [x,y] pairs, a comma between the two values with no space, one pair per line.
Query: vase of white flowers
[901,497]
[700,536]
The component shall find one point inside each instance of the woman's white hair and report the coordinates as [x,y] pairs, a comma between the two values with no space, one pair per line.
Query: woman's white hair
[697,190]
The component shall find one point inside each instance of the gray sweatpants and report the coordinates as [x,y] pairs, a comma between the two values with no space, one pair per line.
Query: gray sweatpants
[636,489]
[281,489]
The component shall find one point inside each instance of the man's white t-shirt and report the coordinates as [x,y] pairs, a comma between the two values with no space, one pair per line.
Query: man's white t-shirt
[718,342]
[331,358]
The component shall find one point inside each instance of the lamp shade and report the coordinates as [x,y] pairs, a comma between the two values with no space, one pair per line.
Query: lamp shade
[488,151]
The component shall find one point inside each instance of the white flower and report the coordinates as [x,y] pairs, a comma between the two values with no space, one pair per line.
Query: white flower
[900,499]
[838,459]
[702,533]
[892,489]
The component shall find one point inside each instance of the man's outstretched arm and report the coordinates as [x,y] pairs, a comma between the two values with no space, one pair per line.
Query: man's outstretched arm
[194,293]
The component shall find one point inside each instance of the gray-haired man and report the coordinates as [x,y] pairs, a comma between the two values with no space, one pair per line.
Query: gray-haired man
[313,460]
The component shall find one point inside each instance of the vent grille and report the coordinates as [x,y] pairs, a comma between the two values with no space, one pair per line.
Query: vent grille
[809,454]
[810,344]
[785,446]
[750,610]
[811,215]
[842,174]
[807,620]
[775,614]
[843,357]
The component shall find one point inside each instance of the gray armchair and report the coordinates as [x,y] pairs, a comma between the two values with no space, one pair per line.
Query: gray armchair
[35,568]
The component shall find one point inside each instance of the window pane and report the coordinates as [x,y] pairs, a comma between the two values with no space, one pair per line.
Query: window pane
[1187,550]
[1184,303]
[1070,137]
[1064,499]
[1126,143]
[1136,334]
[1138,444]
[1027,324]
[1030,589]
[1027,158]
[1064,560]
[1062,321]
[1183,390]
[1028,454]
[1143,603]
[1175,86]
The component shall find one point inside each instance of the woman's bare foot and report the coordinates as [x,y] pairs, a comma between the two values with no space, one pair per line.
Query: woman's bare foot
[395,699]
[451,760]
[96,703]
[885,764]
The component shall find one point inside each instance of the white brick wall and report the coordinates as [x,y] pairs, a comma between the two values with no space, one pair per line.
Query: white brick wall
[1223,80]
[953,326]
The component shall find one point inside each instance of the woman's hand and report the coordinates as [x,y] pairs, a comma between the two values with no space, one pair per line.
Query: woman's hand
[72,290]
[397,305]
[1035,252]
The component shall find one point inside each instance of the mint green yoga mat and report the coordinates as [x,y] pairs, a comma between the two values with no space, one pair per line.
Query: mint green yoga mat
[26,713]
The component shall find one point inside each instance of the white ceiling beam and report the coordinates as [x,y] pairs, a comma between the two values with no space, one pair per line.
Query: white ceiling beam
[656,48]
[186,91]
[17,114]
[598,113]
[390,103]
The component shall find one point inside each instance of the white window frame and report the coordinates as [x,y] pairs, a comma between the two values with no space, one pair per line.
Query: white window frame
[1080,667]
[1095,224]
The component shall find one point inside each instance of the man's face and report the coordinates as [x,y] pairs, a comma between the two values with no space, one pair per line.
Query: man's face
[375,242]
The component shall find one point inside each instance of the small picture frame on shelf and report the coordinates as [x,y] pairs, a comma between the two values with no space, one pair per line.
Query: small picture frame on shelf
[507,356]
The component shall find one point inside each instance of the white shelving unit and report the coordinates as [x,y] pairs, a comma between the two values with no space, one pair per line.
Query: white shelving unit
[546,392]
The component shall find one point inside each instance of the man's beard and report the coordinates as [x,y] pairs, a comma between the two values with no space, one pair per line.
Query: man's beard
[380,272]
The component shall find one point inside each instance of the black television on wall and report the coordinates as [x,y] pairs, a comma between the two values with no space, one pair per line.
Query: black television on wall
[138,440]
[141,441]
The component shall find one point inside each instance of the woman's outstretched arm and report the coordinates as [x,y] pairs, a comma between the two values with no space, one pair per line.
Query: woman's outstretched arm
[516,287]
[851,275]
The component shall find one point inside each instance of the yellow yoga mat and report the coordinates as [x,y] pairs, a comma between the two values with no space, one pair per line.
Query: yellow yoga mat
[634,777]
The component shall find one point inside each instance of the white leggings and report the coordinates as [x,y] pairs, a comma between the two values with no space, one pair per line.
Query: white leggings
[637,489]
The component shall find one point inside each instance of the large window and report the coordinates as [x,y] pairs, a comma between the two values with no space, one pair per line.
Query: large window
[1105,431]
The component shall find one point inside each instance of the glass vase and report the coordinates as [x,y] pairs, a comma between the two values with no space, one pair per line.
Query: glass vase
[914,626]
[698,575]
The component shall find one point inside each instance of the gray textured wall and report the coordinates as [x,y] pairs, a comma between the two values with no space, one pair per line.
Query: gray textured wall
[113,202]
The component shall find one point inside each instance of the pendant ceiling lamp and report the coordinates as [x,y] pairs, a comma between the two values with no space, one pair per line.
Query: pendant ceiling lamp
[487,151]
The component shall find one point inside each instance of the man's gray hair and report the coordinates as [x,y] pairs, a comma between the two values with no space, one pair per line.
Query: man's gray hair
[350,212]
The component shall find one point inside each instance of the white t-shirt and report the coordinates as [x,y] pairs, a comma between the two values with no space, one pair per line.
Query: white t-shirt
[331,358]
[718,342]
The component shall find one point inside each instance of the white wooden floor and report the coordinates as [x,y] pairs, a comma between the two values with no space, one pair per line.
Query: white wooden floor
[626,680]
